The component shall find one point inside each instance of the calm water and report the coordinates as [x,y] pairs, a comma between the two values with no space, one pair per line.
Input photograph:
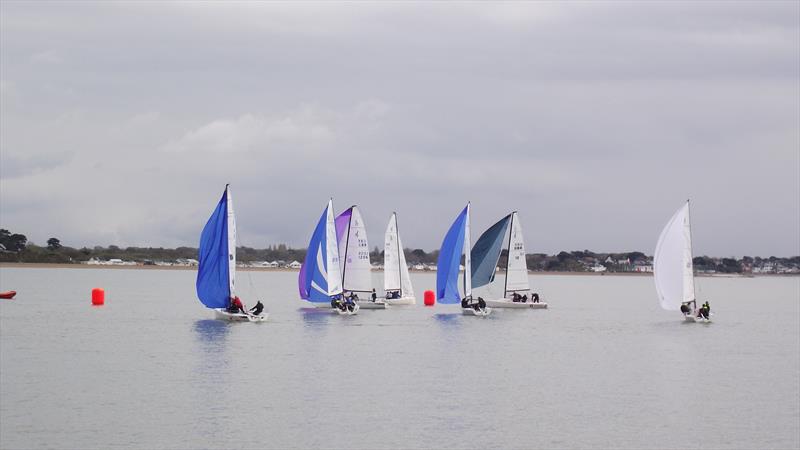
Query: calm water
[604,367]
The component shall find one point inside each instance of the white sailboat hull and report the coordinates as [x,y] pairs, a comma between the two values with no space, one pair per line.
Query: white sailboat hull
[506,303]
[690,318]
[222,314]
[480,313]
[401,301]
[367,304]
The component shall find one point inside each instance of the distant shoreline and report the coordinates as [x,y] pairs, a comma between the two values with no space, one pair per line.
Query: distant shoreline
[275,269]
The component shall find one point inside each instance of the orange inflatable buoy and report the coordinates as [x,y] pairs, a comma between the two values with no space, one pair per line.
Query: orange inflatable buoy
[98,297]
[430,298]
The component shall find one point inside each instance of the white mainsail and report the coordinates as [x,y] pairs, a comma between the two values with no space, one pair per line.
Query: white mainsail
[231,242]
[395,269]
[391,256]
[354,250]
[334,274]
[672,262]
[517,267]
[467,259]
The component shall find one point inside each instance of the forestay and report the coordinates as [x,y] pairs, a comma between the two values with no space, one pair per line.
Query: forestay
[517,266]
[217,255]
[672,263]
[447,265]
[486,253]
[353,251]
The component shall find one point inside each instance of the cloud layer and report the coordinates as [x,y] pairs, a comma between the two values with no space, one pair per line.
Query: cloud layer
[121,123]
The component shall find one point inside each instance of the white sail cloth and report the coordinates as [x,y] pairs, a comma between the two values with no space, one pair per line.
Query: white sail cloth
[517,269]
[672,263]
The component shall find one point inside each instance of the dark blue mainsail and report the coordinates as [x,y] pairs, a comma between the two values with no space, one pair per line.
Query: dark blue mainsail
[486,253]
[213,283]
[449,261]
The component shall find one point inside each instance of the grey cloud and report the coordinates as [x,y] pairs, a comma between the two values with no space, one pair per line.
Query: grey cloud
[595,120]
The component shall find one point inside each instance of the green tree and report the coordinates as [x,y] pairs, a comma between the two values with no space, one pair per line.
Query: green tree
[53,244]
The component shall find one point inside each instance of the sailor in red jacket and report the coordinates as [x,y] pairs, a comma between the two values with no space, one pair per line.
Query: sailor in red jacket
[236,305]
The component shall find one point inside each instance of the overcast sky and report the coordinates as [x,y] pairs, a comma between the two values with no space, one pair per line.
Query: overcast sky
[121,123]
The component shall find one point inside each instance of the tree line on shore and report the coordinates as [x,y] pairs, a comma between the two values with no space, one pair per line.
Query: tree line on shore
[15,247]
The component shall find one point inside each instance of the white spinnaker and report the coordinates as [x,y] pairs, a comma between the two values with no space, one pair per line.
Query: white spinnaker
[391,257]
[467,259]
[517,270]
[672,262]
[405,279]
[231,242]
[334,274]
[357,272]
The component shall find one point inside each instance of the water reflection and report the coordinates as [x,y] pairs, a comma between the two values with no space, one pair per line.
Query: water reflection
[212,332]
[450,319]
[315,318]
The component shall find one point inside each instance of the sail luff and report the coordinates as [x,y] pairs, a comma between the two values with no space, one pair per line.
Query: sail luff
[467,259]
[688,266]
[332,254]
[508,254]
[231,242]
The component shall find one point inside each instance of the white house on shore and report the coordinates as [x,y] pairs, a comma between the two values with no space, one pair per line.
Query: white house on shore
[294,265]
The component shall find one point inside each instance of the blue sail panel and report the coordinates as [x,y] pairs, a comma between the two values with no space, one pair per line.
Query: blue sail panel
[313,278]
[486,252]
[449,261]
[213,287]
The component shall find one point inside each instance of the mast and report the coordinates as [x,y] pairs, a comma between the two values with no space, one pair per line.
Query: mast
[399,269]
[690,263]
[231,222]
[508,256]
[467,259]
[346,244]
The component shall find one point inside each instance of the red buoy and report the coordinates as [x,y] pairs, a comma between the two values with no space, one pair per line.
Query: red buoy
[98,297]
[430,298]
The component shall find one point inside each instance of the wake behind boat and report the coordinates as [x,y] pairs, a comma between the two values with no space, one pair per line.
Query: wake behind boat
[456,242]
[216,273]
[673,271]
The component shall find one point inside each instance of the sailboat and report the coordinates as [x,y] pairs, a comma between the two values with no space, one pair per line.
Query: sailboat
[320,278]
[396,280]
[216,274]
[673,271]
[485,258]
[351,233]
[456,242]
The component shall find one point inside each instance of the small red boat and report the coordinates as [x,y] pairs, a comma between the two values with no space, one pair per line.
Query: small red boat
[8,294]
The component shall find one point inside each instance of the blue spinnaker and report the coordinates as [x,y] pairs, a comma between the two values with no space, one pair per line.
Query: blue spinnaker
[213,286]
[449,260]
[313,278]
[486,252]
